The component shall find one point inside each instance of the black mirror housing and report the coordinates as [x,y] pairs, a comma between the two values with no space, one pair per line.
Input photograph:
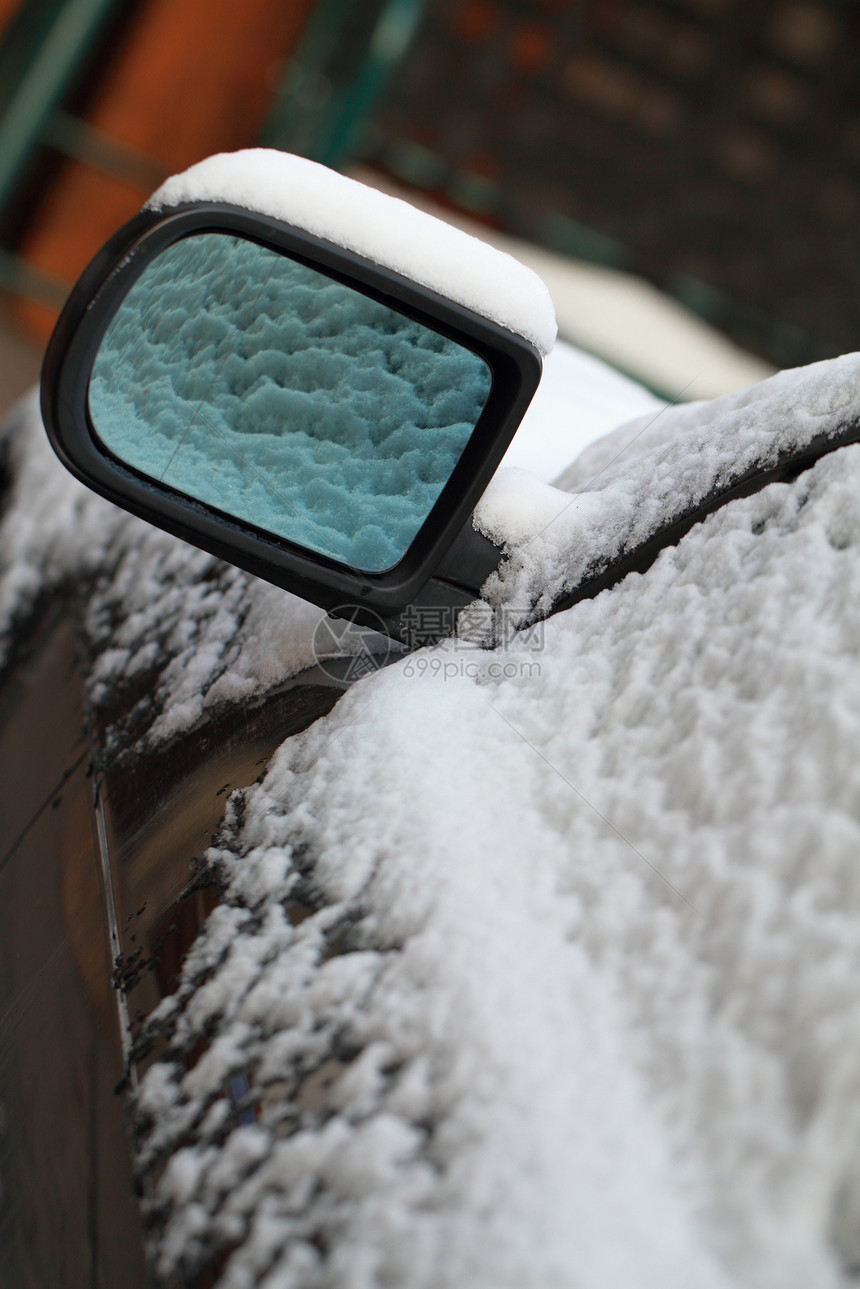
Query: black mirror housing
[514,364]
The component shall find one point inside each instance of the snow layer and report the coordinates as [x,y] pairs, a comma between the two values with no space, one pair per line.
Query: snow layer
[540,961]
[253,383]
[583,1014]
[384,229]
[649,473]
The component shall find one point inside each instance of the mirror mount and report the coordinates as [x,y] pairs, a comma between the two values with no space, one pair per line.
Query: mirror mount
[469,560]
[455,585]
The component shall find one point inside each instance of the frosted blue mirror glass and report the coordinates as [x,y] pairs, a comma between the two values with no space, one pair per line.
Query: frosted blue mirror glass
[273,393]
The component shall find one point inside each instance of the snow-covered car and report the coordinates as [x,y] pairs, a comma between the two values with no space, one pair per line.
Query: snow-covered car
[526,957]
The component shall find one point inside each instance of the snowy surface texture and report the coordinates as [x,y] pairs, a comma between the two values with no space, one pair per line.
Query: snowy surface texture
[649,473]
[257,385]
[384,229]
[540,961]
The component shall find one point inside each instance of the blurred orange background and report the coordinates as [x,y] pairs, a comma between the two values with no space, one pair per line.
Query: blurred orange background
[187,78]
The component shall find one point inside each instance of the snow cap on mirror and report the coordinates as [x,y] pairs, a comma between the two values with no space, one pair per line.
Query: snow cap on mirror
[383,229]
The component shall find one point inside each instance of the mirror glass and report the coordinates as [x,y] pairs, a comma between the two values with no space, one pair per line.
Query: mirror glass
[273,393]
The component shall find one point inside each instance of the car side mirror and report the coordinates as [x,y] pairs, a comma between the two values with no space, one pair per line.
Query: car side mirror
[287,404]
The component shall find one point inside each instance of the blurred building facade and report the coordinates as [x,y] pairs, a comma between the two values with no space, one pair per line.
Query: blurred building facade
[712,146]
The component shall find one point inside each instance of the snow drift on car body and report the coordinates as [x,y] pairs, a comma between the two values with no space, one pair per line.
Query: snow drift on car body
[574,1001]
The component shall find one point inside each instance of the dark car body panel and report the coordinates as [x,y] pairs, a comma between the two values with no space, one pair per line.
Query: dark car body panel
[99,900]
[69,1215]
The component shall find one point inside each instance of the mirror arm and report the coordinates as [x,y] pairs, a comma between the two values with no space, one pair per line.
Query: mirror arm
[470,560]
[456,583]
